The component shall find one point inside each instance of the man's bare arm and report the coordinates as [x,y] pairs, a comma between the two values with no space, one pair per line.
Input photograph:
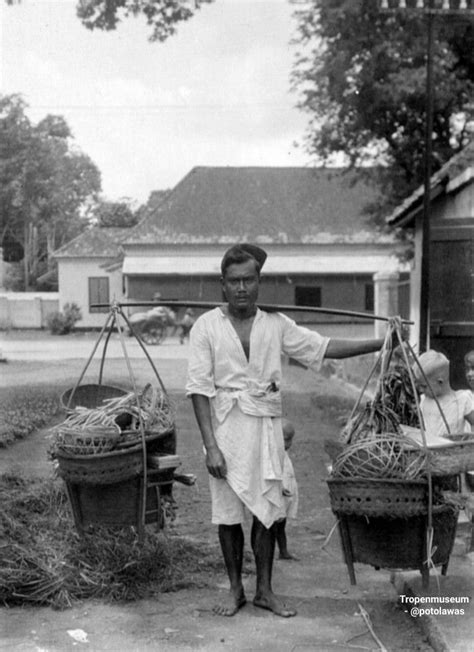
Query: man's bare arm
[342,348]
[215,461]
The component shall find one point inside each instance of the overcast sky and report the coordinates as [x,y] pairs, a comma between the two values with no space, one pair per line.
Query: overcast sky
[217,93]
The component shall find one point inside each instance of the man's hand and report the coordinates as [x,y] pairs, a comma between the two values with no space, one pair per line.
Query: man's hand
[215,463]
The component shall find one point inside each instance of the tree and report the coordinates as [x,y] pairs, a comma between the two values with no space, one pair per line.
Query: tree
[118,214]
[361,76]
[161,15]
[44,183]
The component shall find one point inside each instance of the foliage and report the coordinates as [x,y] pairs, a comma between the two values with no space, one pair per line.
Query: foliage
[118,214]
[361,76]
[161,15]
[43,561]
[62,323]
[14,278]
[25,409]
[44,183]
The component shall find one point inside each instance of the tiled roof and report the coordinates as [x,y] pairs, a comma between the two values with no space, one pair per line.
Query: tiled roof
[262,204]
[451,169]
[96,242]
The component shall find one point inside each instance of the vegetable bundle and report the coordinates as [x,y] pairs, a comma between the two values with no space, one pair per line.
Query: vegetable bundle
[116,423]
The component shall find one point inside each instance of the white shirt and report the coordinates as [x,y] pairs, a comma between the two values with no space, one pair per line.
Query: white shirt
[218,361]
[241,390]
[455,406]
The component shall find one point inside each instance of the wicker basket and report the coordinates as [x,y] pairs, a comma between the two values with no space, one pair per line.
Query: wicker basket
[367,497]
[93,440]
[107,468]
[452,459]
[89,396]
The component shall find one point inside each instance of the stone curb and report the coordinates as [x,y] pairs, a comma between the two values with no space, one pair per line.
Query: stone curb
[427,623]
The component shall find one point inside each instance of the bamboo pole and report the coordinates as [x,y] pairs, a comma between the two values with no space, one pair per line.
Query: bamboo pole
[267,307]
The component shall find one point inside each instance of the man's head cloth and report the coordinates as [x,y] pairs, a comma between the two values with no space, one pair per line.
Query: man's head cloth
[240,253]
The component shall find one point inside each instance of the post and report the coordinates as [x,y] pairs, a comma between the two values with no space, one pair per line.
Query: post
[386,298]
[424,338]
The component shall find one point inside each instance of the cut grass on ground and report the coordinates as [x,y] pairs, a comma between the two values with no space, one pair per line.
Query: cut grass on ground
[44,561]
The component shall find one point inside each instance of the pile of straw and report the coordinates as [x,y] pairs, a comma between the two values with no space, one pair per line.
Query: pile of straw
[43,561]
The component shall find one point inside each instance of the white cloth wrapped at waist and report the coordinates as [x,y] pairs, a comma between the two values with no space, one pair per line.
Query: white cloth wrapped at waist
[257,400]
[255,471]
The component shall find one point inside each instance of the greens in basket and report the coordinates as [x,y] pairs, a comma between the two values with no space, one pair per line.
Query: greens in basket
[115,422]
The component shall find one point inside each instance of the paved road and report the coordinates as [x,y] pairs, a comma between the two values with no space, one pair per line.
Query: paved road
[40,345]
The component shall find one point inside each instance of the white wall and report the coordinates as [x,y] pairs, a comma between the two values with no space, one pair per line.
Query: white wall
[73,279]
[27,309]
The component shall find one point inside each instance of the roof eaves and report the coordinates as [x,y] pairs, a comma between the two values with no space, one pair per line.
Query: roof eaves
[467,176]
[407,214]
[440,178]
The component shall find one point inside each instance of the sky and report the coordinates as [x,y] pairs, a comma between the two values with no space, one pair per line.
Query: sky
[215,94]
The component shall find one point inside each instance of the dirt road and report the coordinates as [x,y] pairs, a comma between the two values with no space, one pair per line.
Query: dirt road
[329,616]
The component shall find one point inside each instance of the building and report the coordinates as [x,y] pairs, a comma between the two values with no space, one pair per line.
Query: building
[451,261]
[90,272]
[312,221]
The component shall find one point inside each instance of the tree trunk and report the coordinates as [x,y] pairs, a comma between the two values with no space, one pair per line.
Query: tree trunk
[26,256]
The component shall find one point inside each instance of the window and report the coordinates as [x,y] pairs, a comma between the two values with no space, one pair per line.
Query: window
[98,292]
[369,297]
[308,296]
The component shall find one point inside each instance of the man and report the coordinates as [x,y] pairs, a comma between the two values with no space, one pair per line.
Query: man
[234,379]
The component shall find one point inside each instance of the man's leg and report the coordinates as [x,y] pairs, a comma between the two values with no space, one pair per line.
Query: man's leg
[231,538]
[263,546]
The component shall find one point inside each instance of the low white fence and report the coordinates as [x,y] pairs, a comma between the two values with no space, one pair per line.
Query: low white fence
[27,309]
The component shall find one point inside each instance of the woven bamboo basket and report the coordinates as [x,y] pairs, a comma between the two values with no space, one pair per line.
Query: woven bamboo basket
[94,440]
[88,396]
[452,458]
[107,468]
[373,497]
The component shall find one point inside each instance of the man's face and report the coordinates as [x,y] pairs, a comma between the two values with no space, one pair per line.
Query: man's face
[469,370]
[240,285]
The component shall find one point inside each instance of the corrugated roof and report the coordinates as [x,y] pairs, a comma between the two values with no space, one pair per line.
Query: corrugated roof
[96,242]
[259,203]
[451,169]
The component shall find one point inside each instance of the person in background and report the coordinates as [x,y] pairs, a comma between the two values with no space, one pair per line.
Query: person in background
[457,406]
[469,369]
[186,324]
[290,493]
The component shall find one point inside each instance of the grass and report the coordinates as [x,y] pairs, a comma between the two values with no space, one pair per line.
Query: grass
[25,409]
[49,564]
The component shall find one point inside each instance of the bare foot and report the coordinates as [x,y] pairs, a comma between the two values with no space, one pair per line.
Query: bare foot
[230,605]
[275,604]
[287,555]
